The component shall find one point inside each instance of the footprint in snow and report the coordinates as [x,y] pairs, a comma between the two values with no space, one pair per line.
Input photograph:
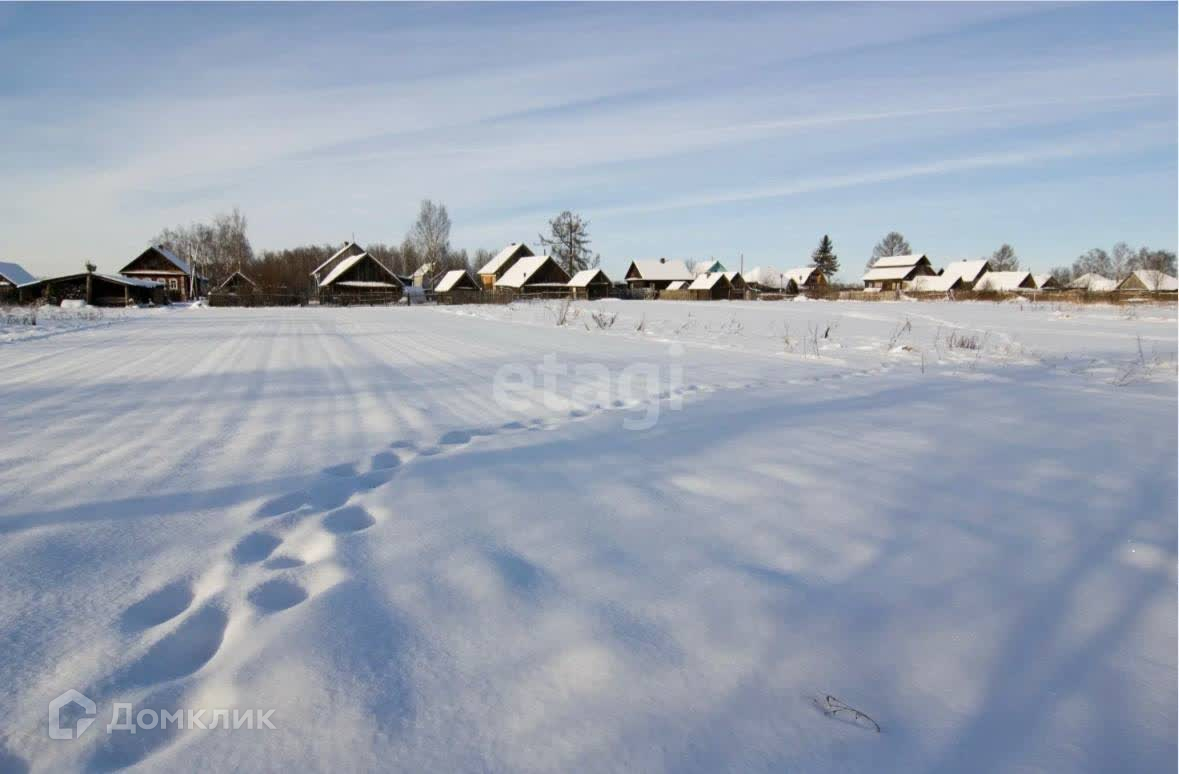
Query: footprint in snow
[163,604]
[455,438]
[350,519]
[385,460]
[277,506]
[277,594]
[254,547]
[181,652]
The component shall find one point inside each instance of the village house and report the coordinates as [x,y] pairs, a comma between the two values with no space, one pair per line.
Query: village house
[505,259]
[457,286]
[237,284]
[934,283]
[710,287]
[159,264]
[765,279]
[322,270]
[591,284]
[737,284]
[360,279]
[890,272]
[423,276]
[12,277]
[1045,282]
[967,271]
[1093,283]
[805,278]
[534,274]
[656,275]
[1149,280]
[1005,281]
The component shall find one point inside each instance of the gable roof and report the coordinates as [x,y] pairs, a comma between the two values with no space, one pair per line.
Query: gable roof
[765,276]
[661,269]
[801,275]
[1152,279]
[707,267]
[351,261]
[877,273]
[237,273]
[349,247]
[15,273]
[523,270]
[503,256]
[1004,280]
[893,261]
[969,271]
[168,255]
[933,283]
[707,281]
[677,285]
[1094,283]
[451,279]
[1044,281]
[583,278]
[731,276]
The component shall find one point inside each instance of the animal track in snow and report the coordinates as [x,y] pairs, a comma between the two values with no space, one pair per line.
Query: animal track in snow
[182,651]
[385,460]
[352,518]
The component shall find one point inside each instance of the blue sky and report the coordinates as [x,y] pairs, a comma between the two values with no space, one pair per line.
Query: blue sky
[687,131]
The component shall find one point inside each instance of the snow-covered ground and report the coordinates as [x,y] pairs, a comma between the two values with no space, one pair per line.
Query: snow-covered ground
[468,538]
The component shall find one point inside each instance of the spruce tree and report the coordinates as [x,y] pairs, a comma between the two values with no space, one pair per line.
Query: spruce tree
[824,258]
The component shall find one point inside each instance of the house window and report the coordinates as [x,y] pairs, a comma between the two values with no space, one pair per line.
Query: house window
[172,283]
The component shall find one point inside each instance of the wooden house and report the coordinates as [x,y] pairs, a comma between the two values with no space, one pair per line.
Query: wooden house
[423,276]
[1149,280]
[806,278]
[657,275]
[534,274]
[934,283]
[98,290]
[737,284]
[1045,282]
[505,259]
[360,279]
[456,287]
[237,284]
[322,270]
[890,272]
[968,271]
[1005,282]
[159,264]
[710,287]
[12,277]
[1093,283]
[590,283]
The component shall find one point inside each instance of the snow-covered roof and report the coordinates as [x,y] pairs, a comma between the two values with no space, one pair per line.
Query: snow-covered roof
[121,279]
[893,261]
[969,271]
[877,273]
[662,269]
[174,259]
[15,273]
[237,274]
[1152,279]
[707,267]
[495,264]
[1003,280]
[932,283]
[521,271]
[707,281]
[423,270]
[584,277]
[347,246]
[765,276]
[1043,280]
[368,284]
[351,261]
[449,280]
[801,275]
[677,285]
[1094,283]
[733,276]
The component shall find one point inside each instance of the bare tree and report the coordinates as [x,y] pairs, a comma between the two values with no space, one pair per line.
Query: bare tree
[893,244]
[1062,274]
[568,242]
[1120,258]
[1004,259]
[1095,261]
[1152,260]
[430,234]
